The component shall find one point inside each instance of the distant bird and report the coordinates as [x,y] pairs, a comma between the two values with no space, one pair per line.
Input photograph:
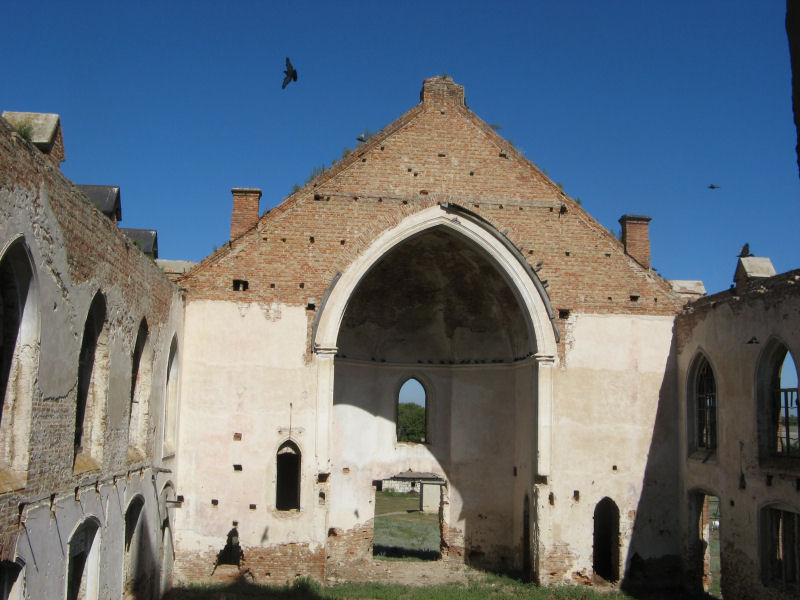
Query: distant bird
[745,251]
[291,74]
[711,186]
[364,136]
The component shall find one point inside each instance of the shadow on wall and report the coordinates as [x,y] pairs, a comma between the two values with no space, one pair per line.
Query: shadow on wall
[654,554]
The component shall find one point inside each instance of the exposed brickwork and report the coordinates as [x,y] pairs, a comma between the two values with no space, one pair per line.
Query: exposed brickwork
[245,210]
[636,238]
[74,246]
[437,152]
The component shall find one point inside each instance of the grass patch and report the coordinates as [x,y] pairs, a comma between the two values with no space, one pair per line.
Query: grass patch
[493,587]
[402,531]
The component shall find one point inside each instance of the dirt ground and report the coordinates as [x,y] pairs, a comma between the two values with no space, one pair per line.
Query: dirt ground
[416,573]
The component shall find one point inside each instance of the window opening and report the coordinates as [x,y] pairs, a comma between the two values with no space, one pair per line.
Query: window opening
[12,579]
[171,399]
[92,382]
[141,382]
[412,405]
[706,405]
[134,569]
[287,489]
[705,565]
[781,548]
[83,567]
[605,546]
[787,433]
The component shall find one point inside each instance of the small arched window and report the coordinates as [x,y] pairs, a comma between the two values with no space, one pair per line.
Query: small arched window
[134,564]
[779,433]
[412,412]
[287,485]
[83,566]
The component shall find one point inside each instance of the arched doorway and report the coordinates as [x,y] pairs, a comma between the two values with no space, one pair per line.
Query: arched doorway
[605,547]
[446,303]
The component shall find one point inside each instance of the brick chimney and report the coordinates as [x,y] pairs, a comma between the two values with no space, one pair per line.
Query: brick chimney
[245,210]
[437,89]
[636,238]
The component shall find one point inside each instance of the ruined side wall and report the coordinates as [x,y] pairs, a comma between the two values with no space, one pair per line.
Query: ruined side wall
[720,326]
[76,252]
[613,437]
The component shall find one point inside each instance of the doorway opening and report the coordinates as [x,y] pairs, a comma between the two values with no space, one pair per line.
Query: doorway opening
[605,548]
[704,552]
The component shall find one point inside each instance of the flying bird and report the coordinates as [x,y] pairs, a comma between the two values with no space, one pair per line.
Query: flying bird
[711,186]
[291,74]
[745,251]
[363,137]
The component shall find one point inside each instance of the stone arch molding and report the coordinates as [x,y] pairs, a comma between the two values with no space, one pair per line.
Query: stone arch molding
[522,280]
[519,275]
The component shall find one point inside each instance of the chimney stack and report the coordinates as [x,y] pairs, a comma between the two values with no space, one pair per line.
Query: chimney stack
[636,238]
[245,210]
[435,90]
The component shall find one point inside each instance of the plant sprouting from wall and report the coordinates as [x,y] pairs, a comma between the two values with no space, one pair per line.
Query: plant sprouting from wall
[24,130]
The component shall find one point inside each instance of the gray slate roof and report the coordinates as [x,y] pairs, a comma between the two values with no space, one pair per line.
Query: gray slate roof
[105,198]
[146,239]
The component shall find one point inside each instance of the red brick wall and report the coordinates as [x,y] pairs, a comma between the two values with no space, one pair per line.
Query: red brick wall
[437,152]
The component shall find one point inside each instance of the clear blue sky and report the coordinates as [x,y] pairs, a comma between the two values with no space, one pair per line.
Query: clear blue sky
[635,106]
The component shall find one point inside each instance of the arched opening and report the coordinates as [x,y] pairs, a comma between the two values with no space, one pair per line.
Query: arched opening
[19,336]
[780,547]
[171,399]
[778,427]
[12,580]
[447,308]
[83,565]
[287,481]
[141,382]
[412,408]
[605,546]
[705,570]
[702,407]
[92,388]
[167,548]
[135,567]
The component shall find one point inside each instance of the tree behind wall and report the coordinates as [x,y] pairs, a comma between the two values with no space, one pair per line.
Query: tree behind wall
[410,422]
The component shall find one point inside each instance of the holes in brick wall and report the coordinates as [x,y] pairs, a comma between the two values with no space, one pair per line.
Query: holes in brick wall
[381,147]
[409,169]
[503,154]
[471,173]
[613,467]
[237,467]
[322,497]
[634,298]
[576,495]
[323,477]
[551,498]
[252,507]
[500,207]
[311,306]
[442,154]
[609,299]
[405,201]
[283,240]
[237,437]
[214,502]
[416,173]
[302,285]
[240,285]
[346,470]
[363,160]
[563,313]
[311,239]
[423,192]
[608,254]
[341,242]
[530,251]
[476,205]
[566,253]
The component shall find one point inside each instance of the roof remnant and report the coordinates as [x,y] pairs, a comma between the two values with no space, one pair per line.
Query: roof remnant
[145,239]
[690,289]
[106,198]
[45,131]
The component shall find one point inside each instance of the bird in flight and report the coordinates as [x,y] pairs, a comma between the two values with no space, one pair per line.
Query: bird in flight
[711,186]
[291,74]
[745,251]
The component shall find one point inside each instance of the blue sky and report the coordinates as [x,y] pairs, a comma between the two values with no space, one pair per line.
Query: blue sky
[634,106]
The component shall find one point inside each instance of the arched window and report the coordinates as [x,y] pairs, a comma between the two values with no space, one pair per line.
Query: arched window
[703,406]
[171,399]
[412,409]
[19,337]
[134,569]
[780,548]
[12,580]
[83,565]
[92,388]
[779,432]
[141,381]
[606,540]
[287,486]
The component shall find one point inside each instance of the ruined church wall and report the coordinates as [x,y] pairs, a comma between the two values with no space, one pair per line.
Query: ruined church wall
[735,331]
[76,252]
[247,388]
[613,437]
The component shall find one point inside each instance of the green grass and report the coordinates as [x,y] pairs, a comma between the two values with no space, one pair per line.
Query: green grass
[493,587]
[402,531]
